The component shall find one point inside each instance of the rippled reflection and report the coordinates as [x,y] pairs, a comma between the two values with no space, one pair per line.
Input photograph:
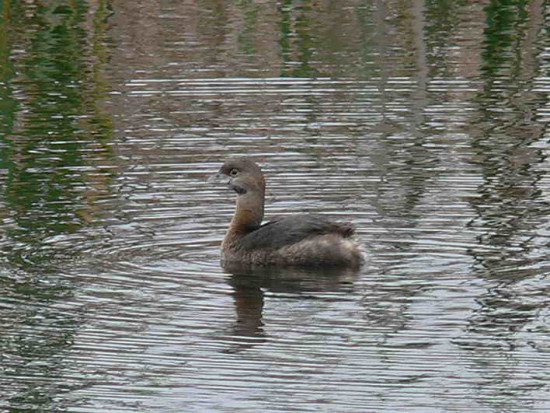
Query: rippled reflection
[56,160]
[511,209]
[248,291]
[424,123]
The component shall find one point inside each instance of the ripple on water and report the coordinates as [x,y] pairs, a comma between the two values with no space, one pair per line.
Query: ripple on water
[132,310]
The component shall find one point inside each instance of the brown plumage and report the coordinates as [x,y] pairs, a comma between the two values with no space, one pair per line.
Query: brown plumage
[303,240]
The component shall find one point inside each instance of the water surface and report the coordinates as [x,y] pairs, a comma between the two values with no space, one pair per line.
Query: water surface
[424,123]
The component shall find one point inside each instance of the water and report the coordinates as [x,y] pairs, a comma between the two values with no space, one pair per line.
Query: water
[423,123]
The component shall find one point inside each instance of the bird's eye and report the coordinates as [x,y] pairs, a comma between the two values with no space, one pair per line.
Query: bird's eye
[233,172]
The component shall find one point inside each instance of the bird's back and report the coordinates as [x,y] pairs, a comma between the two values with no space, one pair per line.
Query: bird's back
[285,231]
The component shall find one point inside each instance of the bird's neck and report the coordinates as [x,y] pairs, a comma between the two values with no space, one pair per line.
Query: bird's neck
[248,214]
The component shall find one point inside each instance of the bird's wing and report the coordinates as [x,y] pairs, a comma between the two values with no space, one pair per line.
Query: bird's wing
[286,231]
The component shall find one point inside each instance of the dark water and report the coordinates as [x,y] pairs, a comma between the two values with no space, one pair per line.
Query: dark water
[425,123]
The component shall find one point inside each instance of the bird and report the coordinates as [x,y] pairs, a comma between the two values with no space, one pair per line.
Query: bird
[295,240]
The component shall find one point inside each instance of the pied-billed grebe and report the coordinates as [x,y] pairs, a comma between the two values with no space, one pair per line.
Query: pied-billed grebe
[302,240]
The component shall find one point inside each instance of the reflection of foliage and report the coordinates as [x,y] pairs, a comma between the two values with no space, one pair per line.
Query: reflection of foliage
[60,127]
[34,335]
[296,38]
[504,33]
[247,36]
[510,206]
[8,105]
[52,133]
[442,19]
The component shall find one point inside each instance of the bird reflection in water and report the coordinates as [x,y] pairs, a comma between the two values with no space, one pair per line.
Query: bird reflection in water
[250,283]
